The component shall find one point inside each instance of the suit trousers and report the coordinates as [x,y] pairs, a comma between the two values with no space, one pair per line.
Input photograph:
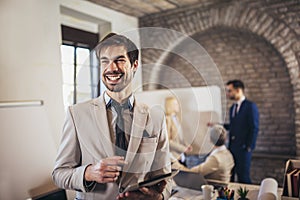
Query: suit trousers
[242,161]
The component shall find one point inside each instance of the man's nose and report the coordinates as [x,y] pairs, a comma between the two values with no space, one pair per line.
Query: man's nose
[112,66]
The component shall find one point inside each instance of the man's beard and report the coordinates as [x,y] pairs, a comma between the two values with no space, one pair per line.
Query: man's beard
[116,88]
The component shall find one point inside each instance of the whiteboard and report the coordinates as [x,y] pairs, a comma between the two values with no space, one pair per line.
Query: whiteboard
[199,105]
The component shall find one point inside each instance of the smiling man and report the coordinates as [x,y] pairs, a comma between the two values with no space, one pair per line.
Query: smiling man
[118,70]
[114,141]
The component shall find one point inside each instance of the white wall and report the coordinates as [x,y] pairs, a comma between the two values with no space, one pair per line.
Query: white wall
[30,57]
[30,67]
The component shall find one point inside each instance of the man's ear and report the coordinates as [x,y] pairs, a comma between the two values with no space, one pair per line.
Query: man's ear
[135,65]
[240,90]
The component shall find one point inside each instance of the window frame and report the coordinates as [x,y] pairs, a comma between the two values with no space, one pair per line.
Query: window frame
[81,39]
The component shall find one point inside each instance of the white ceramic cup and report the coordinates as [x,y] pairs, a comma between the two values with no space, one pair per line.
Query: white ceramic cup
[268,189]
[207,191]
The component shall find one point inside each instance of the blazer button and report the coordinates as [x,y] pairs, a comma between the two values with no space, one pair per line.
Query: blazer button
[232,137]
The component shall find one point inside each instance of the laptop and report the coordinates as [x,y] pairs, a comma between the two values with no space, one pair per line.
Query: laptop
[190,180]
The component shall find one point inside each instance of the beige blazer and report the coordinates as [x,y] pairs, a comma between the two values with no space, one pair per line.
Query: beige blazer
[86,140]
[176,148]
[217,166]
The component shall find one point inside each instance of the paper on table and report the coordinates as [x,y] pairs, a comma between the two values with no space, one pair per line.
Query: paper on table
[268,189]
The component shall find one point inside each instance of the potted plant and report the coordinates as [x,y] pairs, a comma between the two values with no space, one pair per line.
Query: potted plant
[242,192]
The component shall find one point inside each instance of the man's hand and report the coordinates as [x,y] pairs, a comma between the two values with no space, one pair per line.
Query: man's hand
[146,193]
[105,171]
[211,124]
[188,149]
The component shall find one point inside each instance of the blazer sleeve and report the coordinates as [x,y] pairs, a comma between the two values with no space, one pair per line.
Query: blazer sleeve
[177,147]
[210,165]
[253,124]
[68,172]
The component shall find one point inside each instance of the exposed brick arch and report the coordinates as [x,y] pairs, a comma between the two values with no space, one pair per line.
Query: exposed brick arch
[248,17]
[241,54]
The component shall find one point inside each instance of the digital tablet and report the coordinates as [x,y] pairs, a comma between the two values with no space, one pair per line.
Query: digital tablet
[190,180]
[149,182]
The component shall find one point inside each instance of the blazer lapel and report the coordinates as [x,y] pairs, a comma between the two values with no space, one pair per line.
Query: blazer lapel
[242,106]
[231,112]
[99,112]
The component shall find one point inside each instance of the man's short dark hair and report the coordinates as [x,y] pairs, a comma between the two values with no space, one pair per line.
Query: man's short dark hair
[236,84]
[113,39]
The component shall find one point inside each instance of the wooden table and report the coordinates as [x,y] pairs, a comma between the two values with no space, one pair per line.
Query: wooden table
[189,194]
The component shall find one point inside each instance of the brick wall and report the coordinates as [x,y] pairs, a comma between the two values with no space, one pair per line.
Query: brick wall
[256,41]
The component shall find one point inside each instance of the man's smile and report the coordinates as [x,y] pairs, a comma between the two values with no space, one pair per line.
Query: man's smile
[115,77]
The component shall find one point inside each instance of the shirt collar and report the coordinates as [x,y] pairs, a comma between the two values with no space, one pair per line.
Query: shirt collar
[108,100]
[239,102]
[220,148]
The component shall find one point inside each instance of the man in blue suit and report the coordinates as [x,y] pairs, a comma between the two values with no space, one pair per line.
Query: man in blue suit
[243,130]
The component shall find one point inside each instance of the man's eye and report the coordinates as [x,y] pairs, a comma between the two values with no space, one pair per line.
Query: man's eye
[104,61]
[120,61]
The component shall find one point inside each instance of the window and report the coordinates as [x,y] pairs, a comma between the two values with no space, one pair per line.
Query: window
[80,67]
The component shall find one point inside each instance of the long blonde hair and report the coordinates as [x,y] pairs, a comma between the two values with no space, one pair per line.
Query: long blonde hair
[169,105]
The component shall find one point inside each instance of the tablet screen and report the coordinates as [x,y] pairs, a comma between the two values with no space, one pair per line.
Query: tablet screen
[152,181]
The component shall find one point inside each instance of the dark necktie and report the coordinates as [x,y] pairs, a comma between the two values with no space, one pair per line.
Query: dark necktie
[235,109]
[121,144]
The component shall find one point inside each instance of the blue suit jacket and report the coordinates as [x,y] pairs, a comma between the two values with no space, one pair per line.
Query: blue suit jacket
[243,127]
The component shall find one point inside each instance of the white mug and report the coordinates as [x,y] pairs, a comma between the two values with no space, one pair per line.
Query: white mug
[268,189]
[207,191]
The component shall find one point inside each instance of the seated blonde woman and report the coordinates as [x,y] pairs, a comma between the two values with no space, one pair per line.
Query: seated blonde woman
[176,141]
[219,163]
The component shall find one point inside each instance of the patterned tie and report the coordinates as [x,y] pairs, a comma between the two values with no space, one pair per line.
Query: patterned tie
[121,144]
